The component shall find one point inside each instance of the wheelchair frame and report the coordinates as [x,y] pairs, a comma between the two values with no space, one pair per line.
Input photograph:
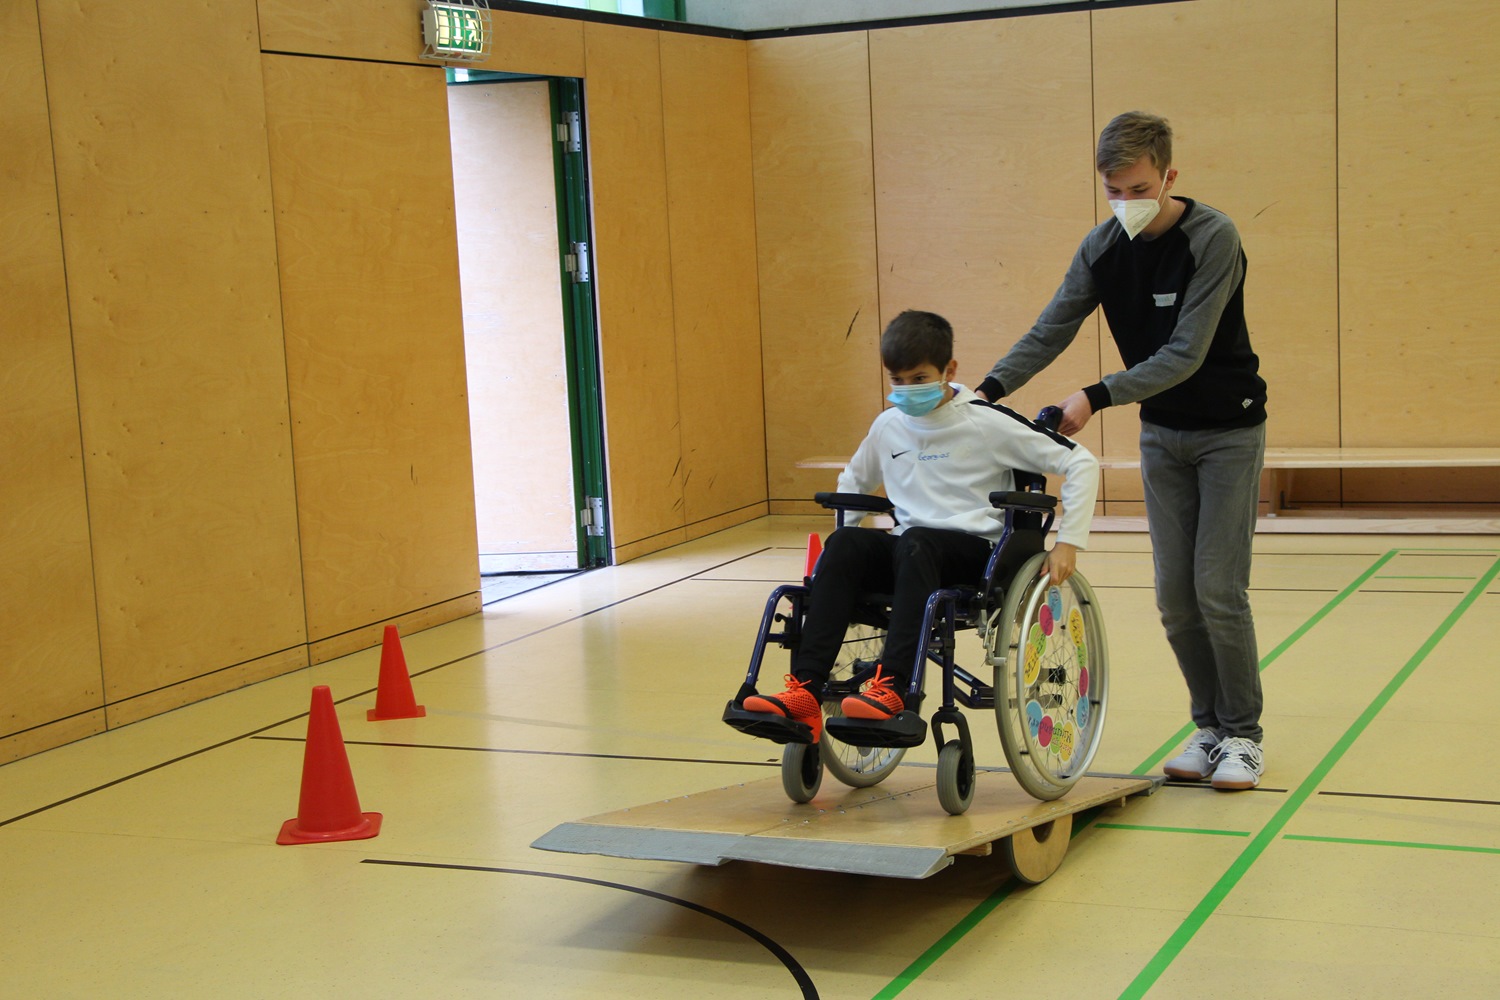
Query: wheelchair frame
[1013,564]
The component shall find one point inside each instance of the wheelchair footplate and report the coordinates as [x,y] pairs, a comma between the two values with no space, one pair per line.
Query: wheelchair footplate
[776,728]
[905,729]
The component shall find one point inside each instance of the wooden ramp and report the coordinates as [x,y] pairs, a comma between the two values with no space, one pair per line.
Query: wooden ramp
[895,829]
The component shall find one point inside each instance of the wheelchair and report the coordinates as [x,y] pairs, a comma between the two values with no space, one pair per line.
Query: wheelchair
[1045,651]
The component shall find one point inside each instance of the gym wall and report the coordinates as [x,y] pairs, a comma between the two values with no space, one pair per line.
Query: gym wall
[236,410]
[949,167]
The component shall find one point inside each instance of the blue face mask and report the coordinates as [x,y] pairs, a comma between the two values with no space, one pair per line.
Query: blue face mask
[915,400]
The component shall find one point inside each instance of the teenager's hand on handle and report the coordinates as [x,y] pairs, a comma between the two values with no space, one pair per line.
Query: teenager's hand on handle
[1061,561]
[1076,413]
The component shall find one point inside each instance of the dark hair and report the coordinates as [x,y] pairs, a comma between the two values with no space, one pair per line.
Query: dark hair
[916,338]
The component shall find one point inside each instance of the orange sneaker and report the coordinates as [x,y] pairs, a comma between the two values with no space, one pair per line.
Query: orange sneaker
[877,701]
[795,703]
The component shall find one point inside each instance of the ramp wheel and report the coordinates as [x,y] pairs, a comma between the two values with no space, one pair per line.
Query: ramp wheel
[801,771]
[1038,852]
[955,778]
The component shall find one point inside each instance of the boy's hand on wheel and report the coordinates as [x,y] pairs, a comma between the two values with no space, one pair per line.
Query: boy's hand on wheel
[1061,561]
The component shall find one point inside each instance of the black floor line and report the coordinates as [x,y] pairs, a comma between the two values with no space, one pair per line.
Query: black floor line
[803,980]
[532,753]
[1412,798]
[358,694]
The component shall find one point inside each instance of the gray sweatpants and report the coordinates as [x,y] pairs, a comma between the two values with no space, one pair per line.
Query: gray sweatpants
[1202,488]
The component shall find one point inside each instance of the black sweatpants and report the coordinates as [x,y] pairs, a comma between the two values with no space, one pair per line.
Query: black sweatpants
[909,566]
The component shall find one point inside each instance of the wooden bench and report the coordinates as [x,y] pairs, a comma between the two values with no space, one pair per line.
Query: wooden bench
[1282,464]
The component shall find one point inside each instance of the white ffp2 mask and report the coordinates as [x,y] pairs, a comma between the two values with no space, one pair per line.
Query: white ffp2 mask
[1136,214]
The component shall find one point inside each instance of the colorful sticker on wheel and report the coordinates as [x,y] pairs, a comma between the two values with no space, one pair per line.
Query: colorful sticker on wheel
[1083,680]
[1054,602]
[1081,713]
[1044,619]
[1083,657]
[1033,664]
[1075,627]
[1044,731]
[1034,716]
[1063,738]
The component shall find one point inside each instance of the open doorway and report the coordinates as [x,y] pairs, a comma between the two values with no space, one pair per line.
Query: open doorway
[531,347]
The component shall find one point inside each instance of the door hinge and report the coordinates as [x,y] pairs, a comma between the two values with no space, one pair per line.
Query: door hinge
[569,132]
[592,516]
[577,262]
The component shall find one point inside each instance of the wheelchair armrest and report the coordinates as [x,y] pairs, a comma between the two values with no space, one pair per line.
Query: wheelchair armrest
[1021,500]
[854,501]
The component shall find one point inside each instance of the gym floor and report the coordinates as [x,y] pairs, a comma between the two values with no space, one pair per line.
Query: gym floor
[143,862]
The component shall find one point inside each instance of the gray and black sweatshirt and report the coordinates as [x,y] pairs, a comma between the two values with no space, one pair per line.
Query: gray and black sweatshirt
[1176,308]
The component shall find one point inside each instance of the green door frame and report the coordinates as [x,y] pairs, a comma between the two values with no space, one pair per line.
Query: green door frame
[581,340]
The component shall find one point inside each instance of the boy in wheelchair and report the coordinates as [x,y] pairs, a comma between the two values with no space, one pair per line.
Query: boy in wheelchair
[939,452]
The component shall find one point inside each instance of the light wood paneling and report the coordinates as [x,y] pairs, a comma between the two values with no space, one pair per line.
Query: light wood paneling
[983,190]
[170,250]
[716,310]
[815,229]
[363,183]
[633,281]
[391,31]
[506,192]
[1419,228]
[49,638]
[1255,135]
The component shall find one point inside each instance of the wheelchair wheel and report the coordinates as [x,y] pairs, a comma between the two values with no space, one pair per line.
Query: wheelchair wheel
[801,771]
[1051,660]
[857,767]
[955,778]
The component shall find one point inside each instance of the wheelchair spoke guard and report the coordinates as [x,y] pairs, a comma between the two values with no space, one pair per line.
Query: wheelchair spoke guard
[1047,646]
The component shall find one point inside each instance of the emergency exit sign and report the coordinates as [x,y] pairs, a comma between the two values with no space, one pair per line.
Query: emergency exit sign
[455,31]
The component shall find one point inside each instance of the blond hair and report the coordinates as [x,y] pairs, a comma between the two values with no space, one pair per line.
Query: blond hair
[1131,136]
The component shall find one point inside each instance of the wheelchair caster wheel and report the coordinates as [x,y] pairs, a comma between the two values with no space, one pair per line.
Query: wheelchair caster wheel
[955,778]
[801,771]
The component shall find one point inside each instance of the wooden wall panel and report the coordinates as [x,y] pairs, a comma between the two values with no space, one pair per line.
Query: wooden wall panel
[633,282]
[363,183]
[1419,228]
[983,189]
[391,31]
[716,309]
[167,233]
[1255,138]
[49,636]
[815,230]
[505,188]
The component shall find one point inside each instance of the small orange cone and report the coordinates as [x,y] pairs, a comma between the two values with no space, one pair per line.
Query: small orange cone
[328,808]
[394,698]
[814,549]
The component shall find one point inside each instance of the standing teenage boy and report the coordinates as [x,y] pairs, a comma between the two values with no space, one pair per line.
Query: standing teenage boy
[939,452]
[1170,275]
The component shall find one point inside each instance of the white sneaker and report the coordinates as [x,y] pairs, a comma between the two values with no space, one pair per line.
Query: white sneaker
[1239,764]
[1194,763]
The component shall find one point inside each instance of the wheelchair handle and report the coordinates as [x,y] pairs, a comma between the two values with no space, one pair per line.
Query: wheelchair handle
[1050,417]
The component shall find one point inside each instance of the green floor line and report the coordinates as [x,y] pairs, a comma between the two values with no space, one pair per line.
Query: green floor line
[1176,739]
[947,941]
[1172,829]
[1393,577]
[1394,843]
[1194,922]
[925,961]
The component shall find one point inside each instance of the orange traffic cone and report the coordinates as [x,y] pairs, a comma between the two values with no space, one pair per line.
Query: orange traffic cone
[328,808]
[394,698]
[814,549]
